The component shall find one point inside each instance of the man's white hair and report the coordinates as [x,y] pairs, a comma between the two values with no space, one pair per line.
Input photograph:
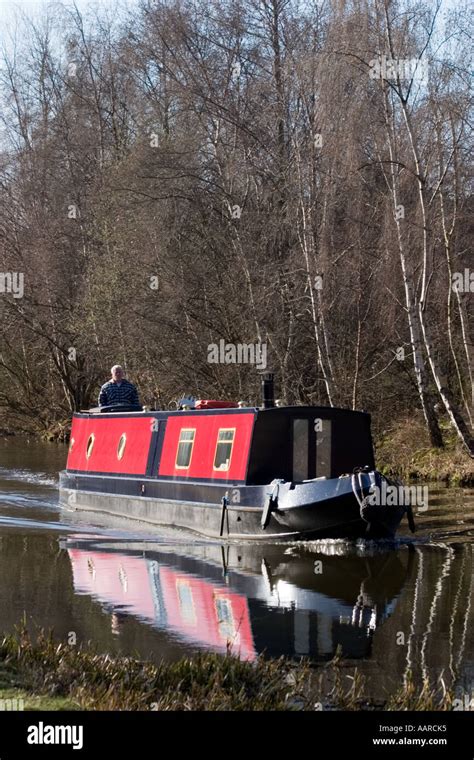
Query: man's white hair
[116,366]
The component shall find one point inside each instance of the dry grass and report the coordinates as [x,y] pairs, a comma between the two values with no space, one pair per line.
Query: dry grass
[52,675]
[99,682]
[405,450]
[411,697]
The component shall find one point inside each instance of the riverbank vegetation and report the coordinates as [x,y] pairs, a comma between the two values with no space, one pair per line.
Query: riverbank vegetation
[404,450]
[181,176]
[49,675]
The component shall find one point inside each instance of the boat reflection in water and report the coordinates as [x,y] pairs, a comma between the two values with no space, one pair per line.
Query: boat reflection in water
[298,600]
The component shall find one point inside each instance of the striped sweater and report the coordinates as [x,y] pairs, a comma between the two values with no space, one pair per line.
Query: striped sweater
[113,393]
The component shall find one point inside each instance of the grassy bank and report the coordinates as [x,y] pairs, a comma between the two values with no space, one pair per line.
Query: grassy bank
[404,450]
[48,675]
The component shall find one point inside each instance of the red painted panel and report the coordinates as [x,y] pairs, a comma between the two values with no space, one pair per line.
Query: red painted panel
[207,427]
[208,614]
[197,610]
[118,579]
[107,432]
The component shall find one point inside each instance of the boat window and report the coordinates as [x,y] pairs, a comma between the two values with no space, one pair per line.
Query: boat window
[121,446]
[323,450]
[300,450]
[185,448]
[90,445]
[225,442]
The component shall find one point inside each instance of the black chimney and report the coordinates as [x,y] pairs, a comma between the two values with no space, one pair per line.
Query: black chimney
[268,392]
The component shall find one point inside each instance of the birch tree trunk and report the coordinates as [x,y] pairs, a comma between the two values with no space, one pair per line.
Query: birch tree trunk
[417,307]
[412,312]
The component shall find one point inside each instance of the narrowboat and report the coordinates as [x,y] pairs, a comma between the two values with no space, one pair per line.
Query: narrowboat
[229,471]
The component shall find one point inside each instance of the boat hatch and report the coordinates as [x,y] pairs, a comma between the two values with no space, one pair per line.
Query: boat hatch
[311,449]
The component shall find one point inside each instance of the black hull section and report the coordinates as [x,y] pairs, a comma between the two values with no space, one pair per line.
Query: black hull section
[315,509]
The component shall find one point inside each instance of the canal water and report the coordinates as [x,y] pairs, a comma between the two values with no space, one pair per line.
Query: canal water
[393,608]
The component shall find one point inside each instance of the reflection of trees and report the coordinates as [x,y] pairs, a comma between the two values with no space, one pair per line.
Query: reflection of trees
[437,642]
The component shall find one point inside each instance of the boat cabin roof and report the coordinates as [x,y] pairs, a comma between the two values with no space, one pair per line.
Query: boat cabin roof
[291,442]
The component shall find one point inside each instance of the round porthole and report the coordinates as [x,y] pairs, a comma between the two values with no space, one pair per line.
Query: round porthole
[90,445]
[121,446]
[71,444]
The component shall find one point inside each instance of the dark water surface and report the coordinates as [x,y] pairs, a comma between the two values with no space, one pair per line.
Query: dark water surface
[393,607]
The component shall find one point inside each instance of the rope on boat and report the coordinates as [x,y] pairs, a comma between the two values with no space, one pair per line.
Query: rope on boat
[362,502]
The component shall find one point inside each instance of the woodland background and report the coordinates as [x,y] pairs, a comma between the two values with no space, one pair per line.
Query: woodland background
[176,173]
